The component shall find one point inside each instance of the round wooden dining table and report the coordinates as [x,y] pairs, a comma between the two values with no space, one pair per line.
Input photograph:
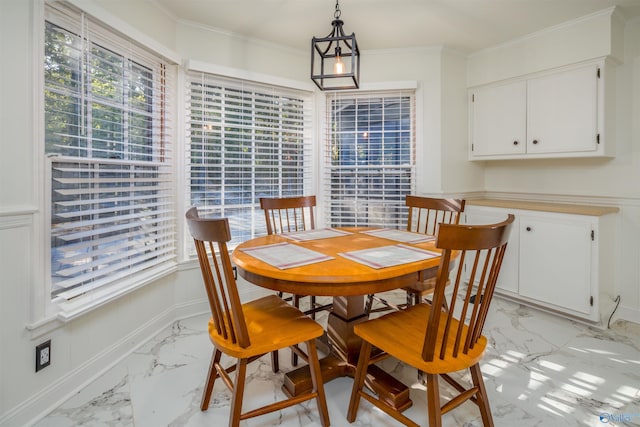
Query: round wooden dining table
[347,281]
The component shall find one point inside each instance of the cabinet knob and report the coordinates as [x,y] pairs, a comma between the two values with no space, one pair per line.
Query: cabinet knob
[528,228]
[535,141]
[515,142]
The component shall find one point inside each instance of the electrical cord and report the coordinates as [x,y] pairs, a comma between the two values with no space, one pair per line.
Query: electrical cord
[617,301]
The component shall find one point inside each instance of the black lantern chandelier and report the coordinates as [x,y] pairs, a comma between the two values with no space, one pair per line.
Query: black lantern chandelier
[335,59]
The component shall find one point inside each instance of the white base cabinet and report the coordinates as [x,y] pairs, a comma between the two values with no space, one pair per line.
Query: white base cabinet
[556,259]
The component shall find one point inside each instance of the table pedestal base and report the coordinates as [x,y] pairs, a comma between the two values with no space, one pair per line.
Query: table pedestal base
[390,390]
[342,361]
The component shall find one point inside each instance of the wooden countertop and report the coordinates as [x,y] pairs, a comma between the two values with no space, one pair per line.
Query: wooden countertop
[545,206]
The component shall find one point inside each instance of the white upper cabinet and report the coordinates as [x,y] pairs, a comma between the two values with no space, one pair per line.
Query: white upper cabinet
[507,135]
[552,114]
[562,113]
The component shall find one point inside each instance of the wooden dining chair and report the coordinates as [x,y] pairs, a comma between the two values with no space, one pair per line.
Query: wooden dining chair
[287,215]
[291,214]
[441,342]
[250,330]
[425,214]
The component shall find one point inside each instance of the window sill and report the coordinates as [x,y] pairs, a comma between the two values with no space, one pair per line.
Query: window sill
[66,311]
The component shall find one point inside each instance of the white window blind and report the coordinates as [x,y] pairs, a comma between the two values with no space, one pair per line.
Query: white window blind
[369,158]
[107,133]
[245,140]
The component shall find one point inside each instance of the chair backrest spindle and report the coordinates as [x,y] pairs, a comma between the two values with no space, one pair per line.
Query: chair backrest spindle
[460,328]
[289,214]
[425,213]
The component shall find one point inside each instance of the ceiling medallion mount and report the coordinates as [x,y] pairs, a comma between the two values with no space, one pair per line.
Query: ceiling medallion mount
[335,59]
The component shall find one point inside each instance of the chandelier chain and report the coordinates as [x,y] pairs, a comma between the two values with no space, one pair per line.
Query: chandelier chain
[337,13]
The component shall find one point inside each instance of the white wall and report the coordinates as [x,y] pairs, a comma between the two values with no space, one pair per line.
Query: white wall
[87,345]
[421,65]
[84,346]
[254,56]
[459,176]
[16,201]
[592,36]
[612,181]
[424,66]
[138,14]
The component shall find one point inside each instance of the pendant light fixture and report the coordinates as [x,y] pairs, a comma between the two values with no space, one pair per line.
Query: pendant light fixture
[335,59]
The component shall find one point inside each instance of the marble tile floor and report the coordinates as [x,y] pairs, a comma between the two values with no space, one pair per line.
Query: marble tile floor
[540,370]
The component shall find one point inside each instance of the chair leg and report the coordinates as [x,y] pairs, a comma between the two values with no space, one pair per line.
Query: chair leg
[275,361]
[211,379]
[238,393]
[358,381]
[294,356]
[481,395]
[318,386]
[387,305]
[433,400]
[369,304]
[312,306]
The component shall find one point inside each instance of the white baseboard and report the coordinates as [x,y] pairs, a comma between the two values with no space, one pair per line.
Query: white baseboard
[626,313]
[192,308]
[52,396]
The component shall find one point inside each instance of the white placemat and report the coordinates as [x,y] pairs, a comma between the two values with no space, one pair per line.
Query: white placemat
[285,255]
[400,235]
[322,233]
[388,256]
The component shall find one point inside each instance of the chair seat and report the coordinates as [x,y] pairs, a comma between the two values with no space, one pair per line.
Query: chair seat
[266,317]
[407,347]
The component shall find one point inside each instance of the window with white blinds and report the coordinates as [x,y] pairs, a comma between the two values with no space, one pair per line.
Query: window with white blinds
[245,140]
[369,158]
[109,160]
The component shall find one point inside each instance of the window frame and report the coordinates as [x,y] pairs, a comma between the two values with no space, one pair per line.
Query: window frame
[47,313]
[374,91]
[197,72]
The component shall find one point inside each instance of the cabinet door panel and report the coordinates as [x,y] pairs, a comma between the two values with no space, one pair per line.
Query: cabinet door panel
[562,112]
[508,278]
[555,261]
[499,119]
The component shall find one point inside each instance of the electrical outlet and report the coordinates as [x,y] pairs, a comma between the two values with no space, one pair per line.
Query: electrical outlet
[43,355]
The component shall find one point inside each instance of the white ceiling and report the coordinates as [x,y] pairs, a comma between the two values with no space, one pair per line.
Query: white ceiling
[464,25]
